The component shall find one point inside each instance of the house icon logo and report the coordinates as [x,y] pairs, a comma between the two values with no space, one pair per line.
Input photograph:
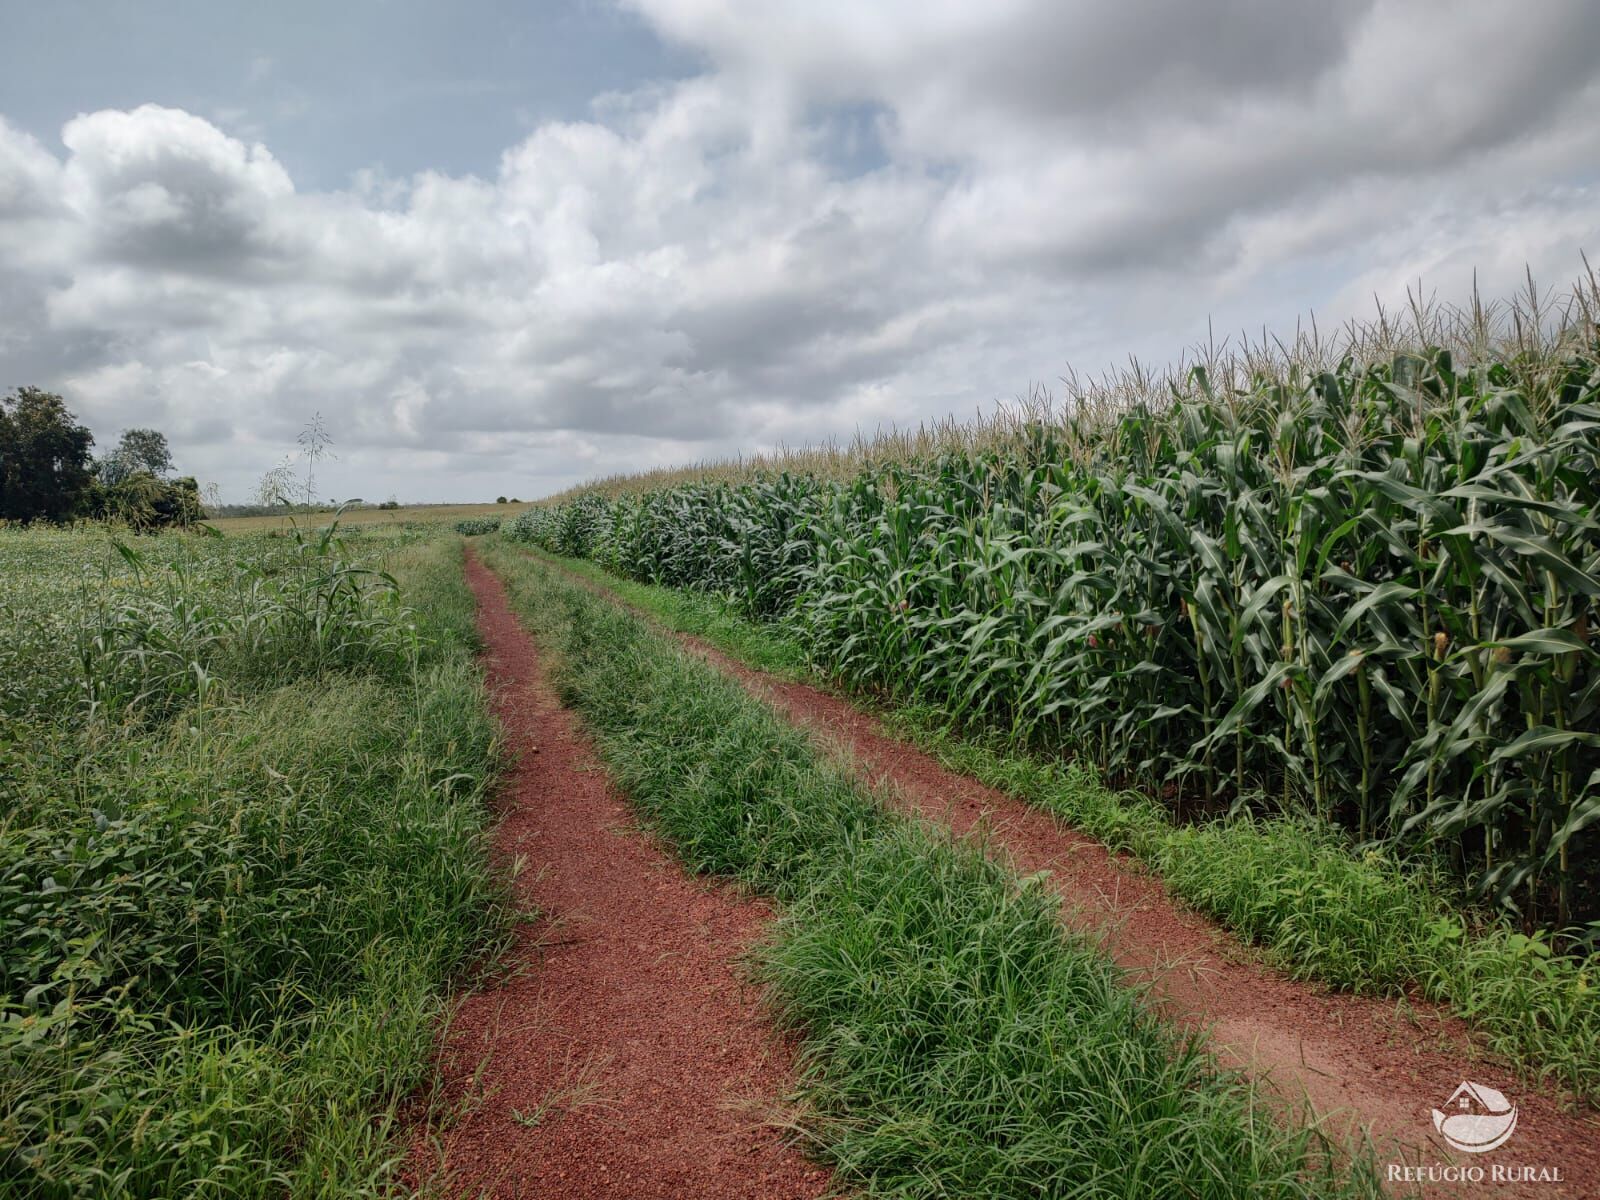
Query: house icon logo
[1476,1119]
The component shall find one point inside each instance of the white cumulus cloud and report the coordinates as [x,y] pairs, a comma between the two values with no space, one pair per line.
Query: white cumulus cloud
[852,214]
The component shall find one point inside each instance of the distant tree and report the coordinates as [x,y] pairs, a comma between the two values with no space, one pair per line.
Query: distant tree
[499,499]
[130,500]
[132,485]
[514,500]
[44,458]
[139,450]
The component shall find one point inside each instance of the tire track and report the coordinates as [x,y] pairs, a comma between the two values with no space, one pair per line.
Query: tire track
[1362,1067]
[621,1053]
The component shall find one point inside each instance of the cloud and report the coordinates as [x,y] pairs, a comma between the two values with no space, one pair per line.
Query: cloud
[160,189]
[852,214]
[29,180]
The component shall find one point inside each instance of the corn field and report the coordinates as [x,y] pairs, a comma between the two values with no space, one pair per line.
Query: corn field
[1361,584]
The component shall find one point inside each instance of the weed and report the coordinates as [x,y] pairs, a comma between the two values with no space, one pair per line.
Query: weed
[241,857]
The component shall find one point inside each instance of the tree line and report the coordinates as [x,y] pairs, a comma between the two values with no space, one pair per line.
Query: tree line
[48,471]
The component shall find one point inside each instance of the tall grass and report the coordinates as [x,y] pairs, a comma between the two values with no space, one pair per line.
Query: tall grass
[955,1039]
[241,856]
[1355,578]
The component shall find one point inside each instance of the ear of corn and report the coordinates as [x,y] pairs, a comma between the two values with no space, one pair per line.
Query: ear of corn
[1366,590]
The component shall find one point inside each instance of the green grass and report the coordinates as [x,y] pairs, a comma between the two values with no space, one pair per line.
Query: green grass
[1360,921]
[956,1040]
[240,861]
[765,647]
[1357,920]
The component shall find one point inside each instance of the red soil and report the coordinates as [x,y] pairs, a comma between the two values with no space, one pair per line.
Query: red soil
[1361,1064]
[621,1054]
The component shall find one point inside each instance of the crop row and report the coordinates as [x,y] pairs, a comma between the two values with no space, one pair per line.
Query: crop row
[1367,593]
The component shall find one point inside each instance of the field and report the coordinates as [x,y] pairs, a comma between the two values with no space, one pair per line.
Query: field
[1177,795]
[242,853]
[416,515]
[1358,590]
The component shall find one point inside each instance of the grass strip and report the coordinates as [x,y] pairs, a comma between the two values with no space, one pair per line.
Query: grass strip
[956,1039]
[1360,922]
[700,614]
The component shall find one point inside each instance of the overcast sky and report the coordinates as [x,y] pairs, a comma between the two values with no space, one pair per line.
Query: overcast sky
[505,246]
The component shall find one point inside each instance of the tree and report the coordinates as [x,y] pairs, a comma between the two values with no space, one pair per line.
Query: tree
[44,458]
[499,499]
[140,450]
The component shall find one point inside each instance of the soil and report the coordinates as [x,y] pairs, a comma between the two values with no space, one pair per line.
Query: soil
[618,1053]
[1364,1066]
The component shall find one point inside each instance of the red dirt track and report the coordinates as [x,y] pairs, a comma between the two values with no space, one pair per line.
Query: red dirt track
[1360,1063]
[620,1055]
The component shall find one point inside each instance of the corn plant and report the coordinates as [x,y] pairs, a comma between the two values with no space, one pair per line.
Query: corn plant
[1359,584]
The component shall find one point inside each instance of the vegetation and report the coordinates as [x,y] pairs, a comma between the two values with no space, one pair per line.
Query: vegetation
[131,486]
[956,1040]
[1360,921]
[140,450]
[353,515]
[145,503]
[47,473]
[477,526]
[1355,581]
[44,458]
[241,854]
[764,646]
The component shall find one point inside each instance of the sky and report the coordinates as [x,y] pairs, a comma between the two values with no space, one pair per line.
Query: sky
[502,247]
